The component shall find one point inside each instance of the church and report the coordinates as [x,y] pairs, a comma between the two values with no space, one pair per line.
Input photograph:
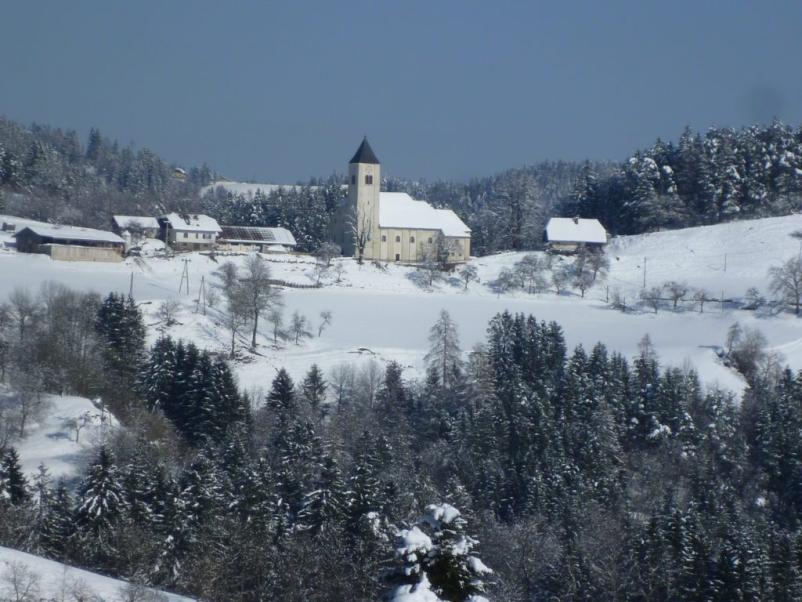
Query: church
[392,226]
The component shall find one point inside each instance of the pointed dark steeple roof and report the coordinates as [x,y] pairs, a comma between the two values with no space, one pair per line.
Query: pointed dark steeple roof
[364,154]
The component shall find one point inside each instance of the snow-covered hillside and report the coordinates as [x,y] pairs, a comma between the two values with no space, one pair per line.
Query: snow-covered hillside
[248,189]
[49,580]
[386,314]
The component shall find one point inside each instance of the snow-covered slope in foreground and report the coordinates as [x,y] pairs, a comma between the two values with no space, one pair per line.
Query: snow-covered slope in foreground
[56,581]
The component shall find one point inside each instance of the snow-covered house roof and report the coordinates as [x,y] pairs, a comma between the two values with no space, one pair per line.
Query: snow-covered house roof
[123,222]
[71,233]
[399,210]
[191,222]
[575,229]
[253,234]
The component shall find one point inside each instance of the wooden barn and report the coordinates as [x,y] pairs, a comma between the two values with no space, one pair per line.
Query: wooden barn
[70,243]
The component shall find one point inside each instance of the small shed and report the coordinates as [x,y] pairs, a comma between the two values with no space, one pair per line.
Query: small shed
[246,239]
[567,234]
[70,243]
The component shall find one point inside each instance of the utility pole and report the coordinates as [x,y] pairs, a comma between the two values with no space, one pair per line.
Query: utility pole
[201,302]
[184,277]
[725,262]
[131,287]
[644,272]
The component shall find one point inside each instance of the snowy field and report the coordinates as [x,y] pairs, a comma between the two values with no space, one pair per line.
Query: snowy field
[62,436]
[384,314]
[56,581]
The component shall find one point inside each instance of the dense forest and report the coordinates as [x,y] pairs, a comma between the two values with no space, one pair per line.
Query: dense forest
[726,174]
[521,470]
[48,174]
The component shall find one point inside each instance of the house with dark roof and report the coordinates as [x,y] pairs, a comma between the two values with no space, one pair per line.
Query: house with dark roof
[246,239]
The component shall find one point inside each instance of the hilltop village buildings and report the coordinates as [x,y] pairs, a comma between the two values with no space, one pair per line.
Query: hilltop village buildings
[387,226]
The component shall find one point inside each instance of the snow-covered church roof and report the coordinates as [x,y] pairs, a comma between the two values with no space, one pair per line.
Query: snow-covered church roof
[399,210]
[575,229]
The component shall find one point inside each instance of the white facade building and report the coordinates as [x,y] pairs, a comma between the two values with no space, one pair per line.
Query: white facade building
[392,226]
[189,232]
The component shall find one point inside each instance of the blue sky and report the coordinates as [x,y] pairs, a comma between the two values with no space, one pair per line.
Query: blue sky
[283,91]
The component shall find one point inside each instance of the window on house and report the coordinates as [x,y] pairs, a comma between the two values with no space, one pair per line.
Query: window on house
[411,239]
[430,240]
[369,179]
[384,238]
[207,235]
[186,234]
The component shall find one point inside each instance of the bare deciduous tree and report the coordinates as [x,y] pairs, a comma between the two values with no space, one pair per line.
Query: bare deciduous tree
[167,312]
[258,292]
[561,277]
[700,297]
[505,281]
[326,252]
[325,320]
[360,227]
[677,291]
[276,318]
[342,382]
[786,283]
[529,272]
[20,583]
[652,297]
[753,298]
[23,309]
[468,273]
[298,327]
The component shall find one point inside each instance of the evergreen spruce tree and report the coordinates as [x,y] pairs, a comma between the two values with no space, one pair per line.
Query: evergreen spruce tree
[313,389]
[58,526]
[14,484]
[101,506]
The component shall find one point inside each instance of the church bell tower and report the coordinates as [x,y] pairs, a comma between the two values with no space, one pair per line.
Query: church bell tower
[364,184]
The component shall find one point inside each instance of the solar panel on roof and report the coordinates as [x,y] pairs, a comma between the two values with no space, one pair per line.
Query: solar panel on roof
[248,233]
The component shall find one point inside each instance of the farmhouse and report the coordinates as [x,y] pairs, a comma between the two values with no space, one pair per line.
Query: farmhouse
[70,243]
[189,231]
[244,239]
[137,226]
[567,234]
[392,226]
